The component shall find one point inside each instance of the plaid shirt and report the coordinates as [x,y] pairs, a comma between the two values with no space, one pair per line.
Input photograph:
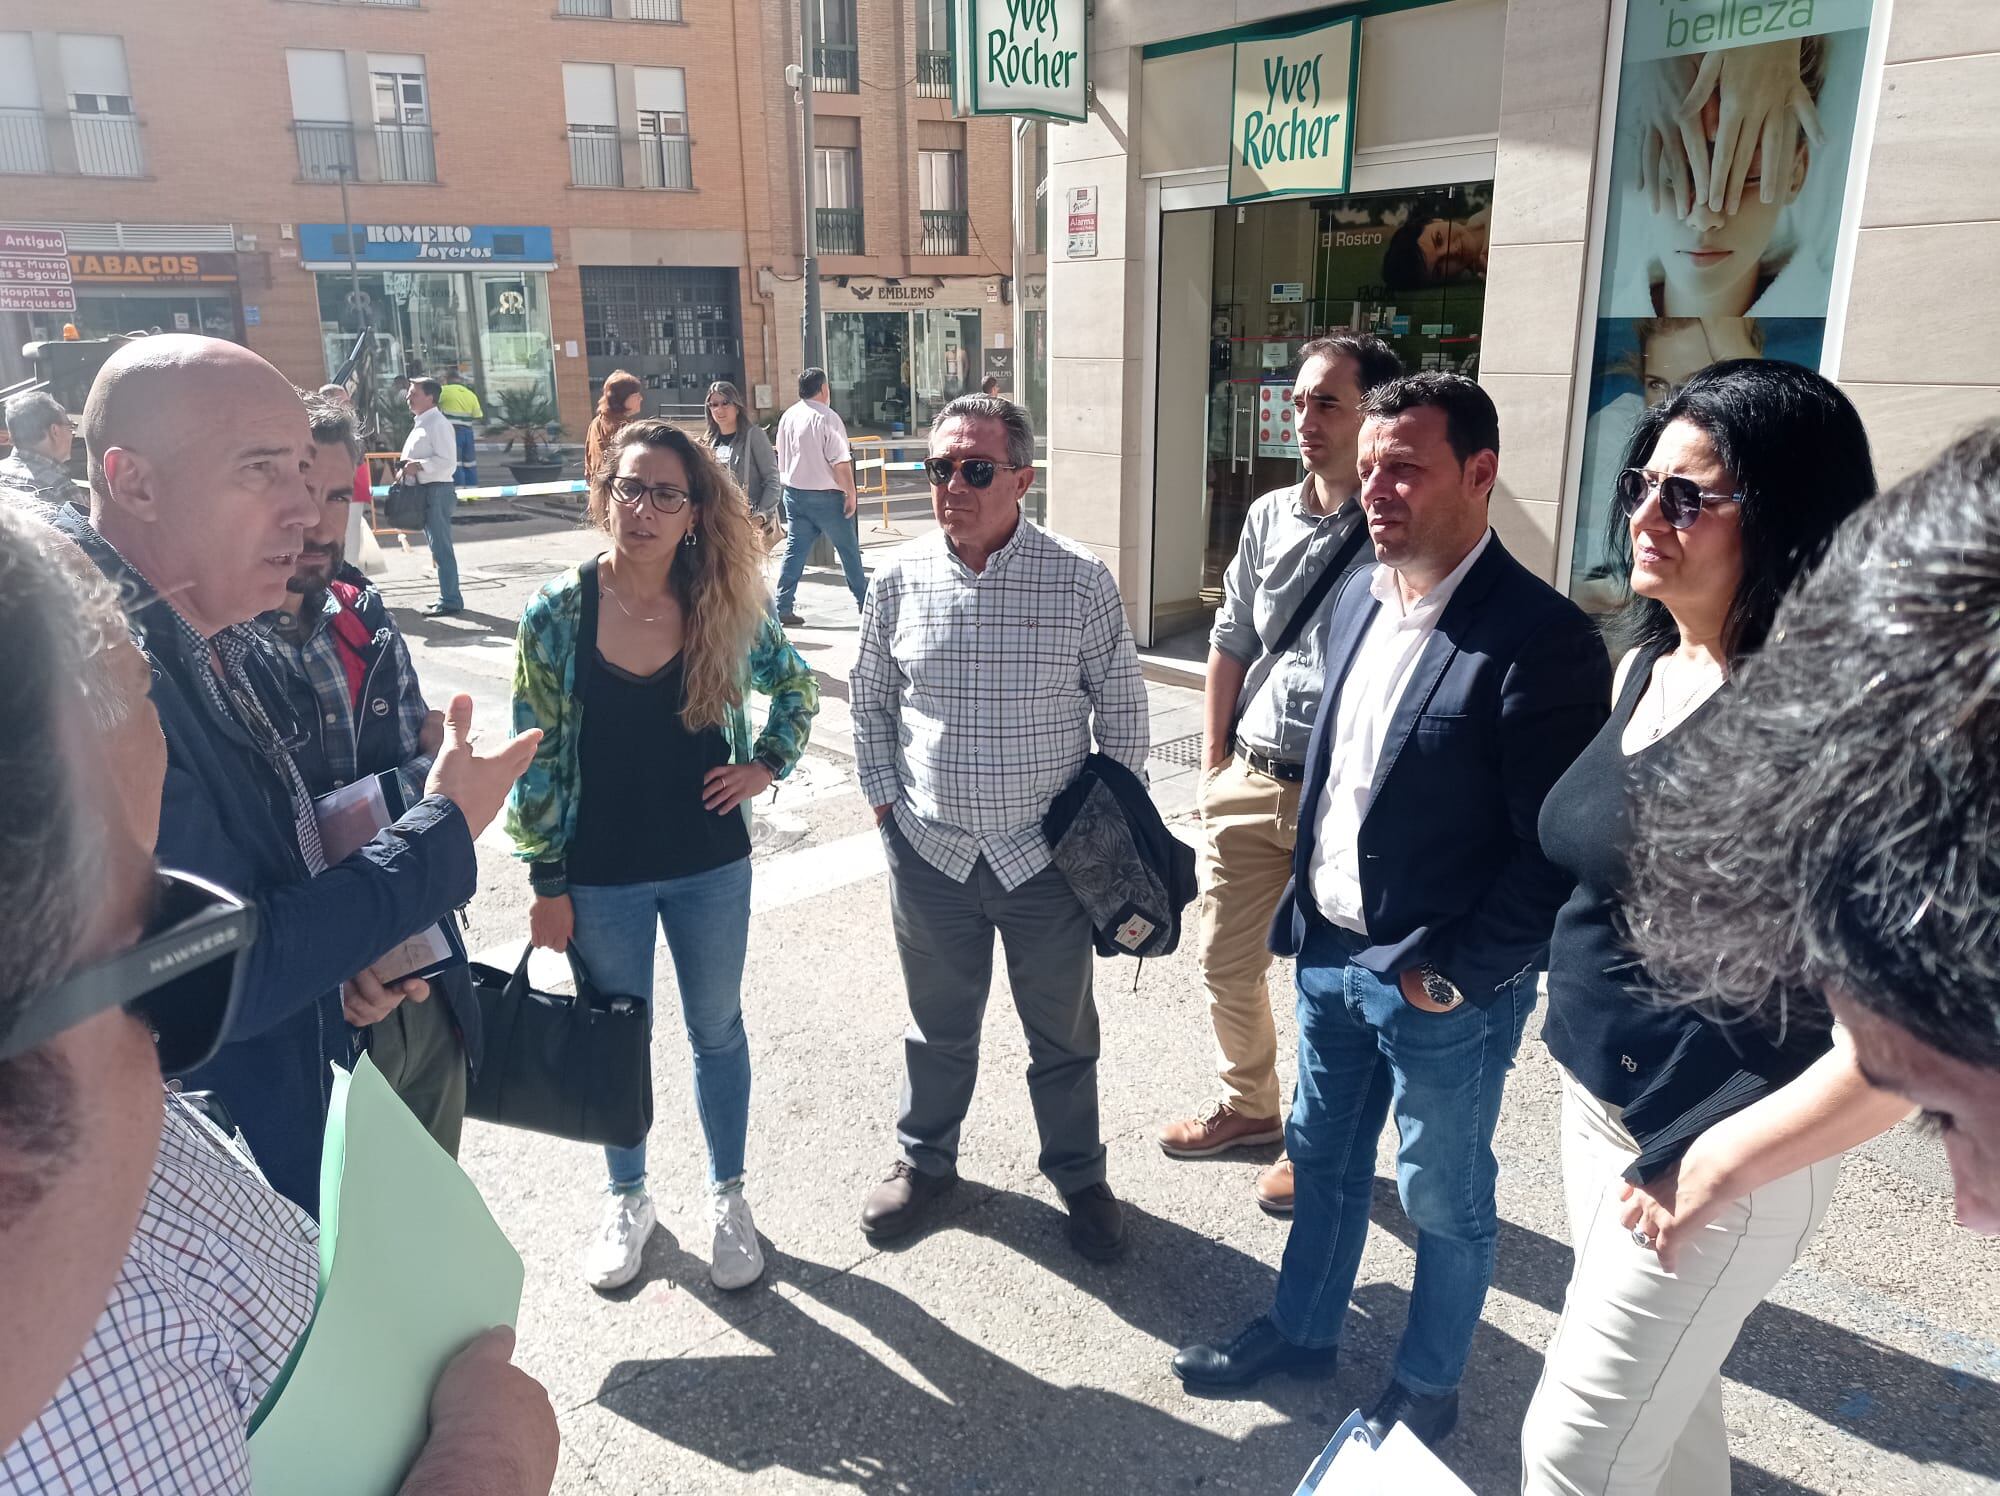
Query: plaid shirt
[217,1286]
[315,659]
[975,694]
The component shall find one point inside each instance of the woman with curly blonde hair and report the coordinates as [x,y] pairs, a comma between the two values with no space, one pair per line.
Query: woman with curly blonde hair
[637,666]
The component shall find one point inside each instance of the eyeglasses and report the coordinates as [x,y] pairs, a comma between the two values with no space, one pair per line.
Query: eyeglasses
[1680,498]
[183,977]
[665,496]
[719,402]
[978,471]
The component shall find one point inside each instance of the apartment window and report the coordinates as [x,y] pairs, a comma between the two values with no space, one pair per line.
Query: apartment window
[836,57]
[102,120]
[599,9]
[665,156]
[590,103]
[941,201]
[24,134]
[933,50]
[656,10]
[322,120]
[400,92]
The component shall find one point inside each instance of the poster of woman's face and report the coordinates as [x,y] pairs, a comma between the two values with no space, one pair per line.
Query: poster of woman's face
[1728,181]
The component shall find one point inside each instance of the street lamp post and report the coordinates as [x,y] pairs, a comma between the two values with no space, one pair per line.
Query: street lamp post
[815,356]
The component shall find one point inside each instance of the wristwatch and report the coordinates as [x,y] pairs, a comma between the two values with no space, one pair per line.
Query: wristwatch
[771,761]
[1438,988]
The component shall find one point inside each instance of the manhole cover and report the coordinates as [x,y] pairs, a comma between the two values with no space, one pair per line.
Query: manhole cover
[1183,751]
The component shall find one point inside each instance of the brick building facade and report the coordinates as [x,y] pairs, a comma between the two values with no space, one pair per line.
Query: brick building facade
[539,192]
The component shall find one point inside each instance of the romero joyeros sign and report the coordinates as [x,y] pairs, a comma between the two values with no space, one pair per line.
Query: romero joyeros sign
[1291,126]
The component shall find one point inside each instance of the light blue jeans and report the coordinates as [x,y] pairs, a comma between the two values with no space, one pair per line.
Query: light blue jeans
[706,917]
[810,513]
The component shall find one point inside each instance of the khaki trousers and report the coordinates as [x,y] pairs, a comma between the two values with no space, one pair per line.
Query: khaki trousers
[1250,823]
[419,1053]
[1630,1402]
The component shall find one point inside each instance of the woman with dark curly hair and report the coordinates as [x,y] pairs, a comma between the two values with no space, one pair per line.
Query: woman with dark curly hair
[1698,1155]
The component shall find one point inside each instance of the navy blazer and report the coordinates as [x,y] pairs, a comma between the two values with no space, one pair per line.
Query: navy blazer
[1509,688]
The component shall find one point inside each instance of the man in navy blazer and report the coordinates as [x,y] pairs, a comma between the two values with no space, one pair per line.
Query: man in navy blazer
[1459,688]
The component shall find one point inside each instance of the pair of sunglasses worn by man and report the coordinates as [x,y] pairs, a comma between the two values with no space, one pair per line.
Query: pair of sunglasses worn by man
[183,978]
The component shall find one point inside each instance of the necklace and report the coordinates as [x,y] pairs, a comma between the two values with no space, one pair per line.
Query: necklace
[611,592]
[1670,714]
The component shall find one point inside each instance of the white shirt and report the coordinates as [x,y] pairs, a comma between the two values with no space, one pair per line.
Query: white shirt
[433,446]
[812,440]
[1367,704]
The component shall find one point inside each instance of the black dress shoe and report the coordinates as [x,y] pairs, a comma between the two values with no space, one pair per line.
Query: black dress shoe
[902,1202]
[1256,1353]
[1096,1223]
[1429,1418]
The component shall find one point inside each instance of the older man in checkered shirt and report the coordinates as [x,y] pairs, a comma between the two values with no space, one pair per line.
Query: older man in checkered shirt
[990,653]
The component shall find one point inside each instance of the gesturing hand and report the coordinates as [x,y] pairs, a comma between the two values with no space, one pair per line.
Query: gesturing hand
[729,786]
[477,783]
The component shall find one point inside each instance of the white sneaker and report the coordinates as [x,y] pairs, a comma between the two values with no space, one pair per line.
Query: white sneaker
[612,1258]
[735,1260]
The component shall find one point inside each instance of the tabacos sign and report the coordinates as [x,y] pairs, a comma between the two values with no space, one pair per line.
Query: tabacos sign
[1291,124]
[1020,57]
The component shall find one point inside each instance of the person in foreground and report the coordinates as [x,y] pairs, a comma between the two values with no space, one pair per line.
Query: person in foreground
[1698,1156]
[1459,688]
[151,1284]
[635,815]
[198,514]
[1856,768]
[354,692]
[990,654]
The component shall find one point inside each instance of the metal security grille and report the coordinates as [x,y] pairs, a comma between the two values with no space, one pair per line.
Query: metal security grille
[677,327]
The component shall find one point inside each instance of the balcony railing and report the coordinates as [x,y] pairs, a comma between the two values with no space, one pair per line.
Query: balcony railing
[666,161]
[405,153]
[24,141]
[934,75]
[406,4]
[326,149]
[944,231]
[839,231]
[598,8]
[836,67]
[656,10]
[107,145]
[594,157]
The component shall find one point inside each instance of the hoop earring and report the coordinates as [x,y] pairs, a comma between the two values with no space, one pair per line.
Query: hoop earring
[692,538]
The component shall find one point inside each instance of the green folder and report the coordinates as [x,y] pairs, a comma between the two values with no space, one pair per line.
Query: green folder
[411,1268]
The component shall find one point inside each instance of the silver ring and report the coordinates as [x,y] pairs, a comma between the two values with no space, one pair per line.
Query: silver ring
[1642,1239]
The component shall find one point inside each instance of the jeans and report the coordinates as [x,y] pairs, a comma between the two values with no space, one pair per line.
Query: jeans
[944,936]
[440,500]
[706,917]
[809,513]
[1364,1051]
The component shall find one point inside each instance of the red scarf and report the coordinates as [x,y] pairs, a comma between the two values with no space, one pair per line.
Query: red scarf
[351,638]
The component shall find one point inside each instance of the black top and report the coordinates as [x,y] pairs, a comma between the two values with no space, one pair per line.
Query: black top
[640,818]
[1673,1070]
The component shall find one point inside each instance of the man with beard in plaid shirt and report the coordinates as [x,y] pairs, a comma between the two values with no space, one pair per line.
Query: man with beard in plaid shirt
[990,652]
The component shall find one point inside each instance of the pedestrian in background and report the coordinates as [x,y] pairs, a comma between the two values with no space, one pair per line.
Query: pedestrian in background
[198,514]
[354,692]
[619,399]
[991,653]
[817,471]
[1266,669]
[1459,687]
[36,469]
[1857,755]
[635,815]
[740,445]
[430,456]
[1727,1135]
[461,407]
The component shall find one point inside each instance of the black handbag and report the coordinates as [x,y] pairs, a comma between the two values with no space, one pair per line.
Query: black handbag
[576,1067]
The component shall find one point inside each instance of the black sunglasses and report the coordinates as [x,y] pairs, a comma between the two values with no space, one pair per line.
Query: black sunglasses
[1680,498]
[978,471]
[183,977]
[666,497]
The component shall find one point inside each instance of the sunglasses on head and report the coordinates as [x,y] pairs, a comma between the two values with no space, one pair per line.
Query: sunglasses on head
[182,978]
[1680,498]
[978,471]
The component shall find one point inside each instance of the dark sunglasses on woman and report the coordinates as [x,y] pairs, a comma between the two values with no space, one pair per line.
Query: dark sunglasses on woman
[978,471]
[1680,498]
[183,978]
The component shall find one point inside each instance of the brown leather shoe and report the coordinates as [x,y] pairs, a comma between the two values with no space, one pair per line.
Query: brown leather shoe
[1217,1128]
[1096,1223]
[900,1203]
[1274,1188]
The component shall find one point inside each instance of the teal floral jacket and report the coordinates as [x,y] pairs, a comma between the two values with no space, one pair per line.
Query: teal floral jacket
[541,810]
